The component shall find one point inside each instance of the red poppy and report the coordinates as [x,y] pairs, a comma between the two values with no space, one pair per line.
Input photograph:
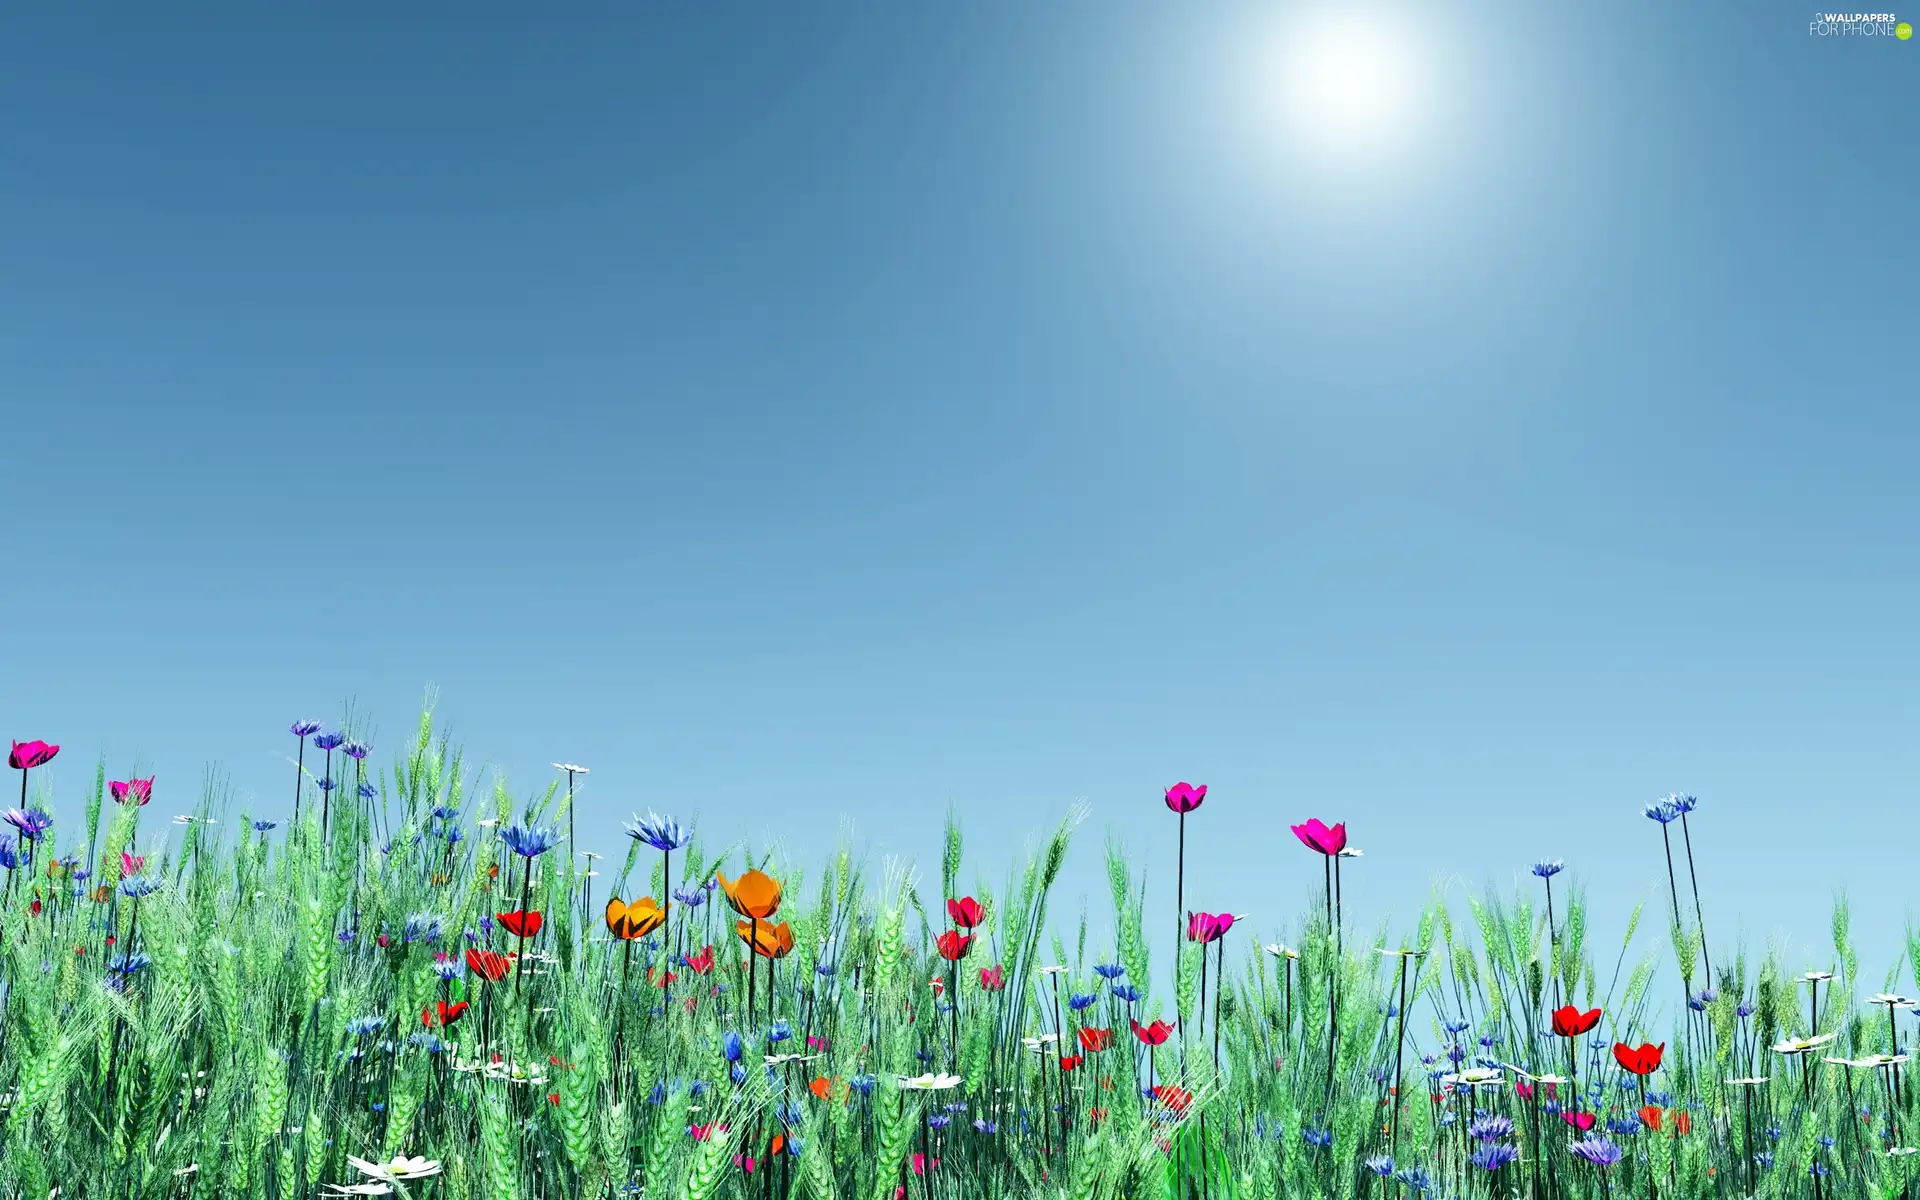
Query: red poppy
[702,963]
[954,945]
[1643,1061]
[1098,1115]
[553,1097]
[966,912]
[1153,1035]
[1095,1040]
[993,978]
[1315,835]
[653,977]
[520,924]
[442,1014]
[1682,1122]
[34,908]
[1069,1062]
[1651,1114]
[487,964]
[1571,1022]
[1174,1098]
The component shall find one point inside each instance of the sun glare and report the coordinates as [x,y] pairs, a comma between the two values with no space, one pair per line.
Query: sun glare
[1351,81]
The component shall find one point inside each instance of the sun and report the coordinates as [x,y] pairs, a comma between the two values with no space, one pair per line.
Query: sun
[1350,81]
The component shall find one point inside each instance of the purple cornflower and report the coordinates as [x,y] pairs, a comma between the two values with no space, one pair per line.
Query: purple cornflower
[1597,1150]
[1549,867]
[1493,1156]
[304,729]
[1490,1128]
[355,750]
[31,822]
[329,741]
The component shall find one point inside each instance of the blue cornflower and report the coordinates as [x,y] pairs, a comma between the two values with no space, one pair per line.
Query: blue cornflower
[355,750]
[368,791]
[1825,1140]
[1547,868]
[958,1106]
[447,968]
[1453,1027]
[1764,1159]
[1663,1099]
[659,1093]
[304,729]
[1380,1164]
[691,897]
[737,1073]
[528,842]
[662,833]
[1817,1168]
[780,1032]
[124,964]
[1080,1002]
[139,887]
[9,857]
[31,822]
[1772,1132]
[825,970]
[1743,1010]
[1699,1000]
[442,812]
[1662,812]
[939,1121]
[1317,1137]
[325,784]
[1494,1155]
[732,1044]
[1490,1128]
[330,741]
[1413,1177]
[1683,803]
[362,1026]
[346,935]
[982,1125]
[862,1084]
[454,836]
[421,927]
[1127,992]
[1624,1126]
[1109,971]
[264,826]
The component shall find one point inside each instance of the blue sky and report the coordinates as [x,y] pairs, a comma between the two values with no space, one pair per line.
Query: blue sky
[808,413]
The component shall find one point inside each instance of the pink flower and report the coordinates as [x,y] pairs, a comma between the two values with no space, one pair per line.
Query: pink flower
[993,978]
[1184,797]
[1314,835]
[1208,927]
[132,864]
[28,755]
[140,791]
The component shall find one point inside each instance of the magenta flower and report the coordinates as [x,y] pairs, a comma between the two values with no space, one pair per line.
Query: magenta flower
[138,791]
[1315,835]
[28,755]
[1183,798]
[1207,928]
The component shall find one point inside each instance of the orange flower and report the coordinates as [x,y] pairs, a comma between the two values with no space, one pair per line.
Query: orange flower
[822,1087]
[766,939]
[752,895]
[1682,1122]
[634,921]
[1651,1115]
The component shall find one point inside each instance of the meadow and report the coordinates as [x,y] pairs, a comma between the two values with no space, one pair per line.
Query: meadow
[414,988]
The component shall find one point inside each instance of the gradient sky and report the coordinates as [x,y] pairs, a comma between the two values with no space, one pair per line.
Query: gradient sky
[800,413]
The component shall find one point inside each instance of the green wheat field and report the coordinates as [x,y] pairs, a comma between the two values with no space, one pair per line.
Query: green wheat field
[415,989]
